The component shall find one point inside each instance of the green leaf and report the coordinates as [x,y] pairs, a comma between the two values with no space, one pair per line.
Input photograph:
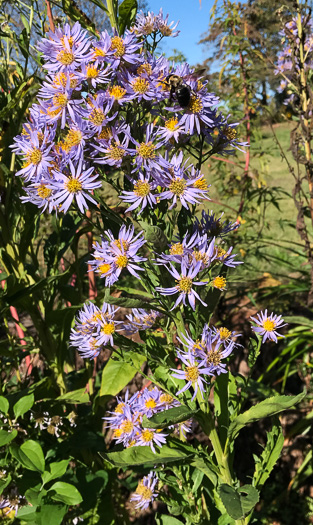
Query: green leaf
[126,14]
[31,456]
[66,493]
[208,468]
[270,455]
[267,408]
[35,495]
[6,437]
[238,502]
[143,455]
[27,514]
[131,302]
[52,514]
[115,376]
[75,397]
[167,520]
[5,482]
[4,405]
[169,417]
[55,470]
[23,405]
[297,319]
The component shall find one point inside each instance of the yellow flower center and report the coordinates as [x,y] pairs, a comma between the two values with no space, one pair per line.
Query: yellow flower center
[214,357]
[147,435]
[201,184]
[144,491]
[177,186]
[92,72]
[117,92]
[108,328]
[195,105]
[118,432]
[177,249]
[73,185]
[98,52]
[141,189]
[166,398]
[104,268]
[97,117]
[65,57]
[146,151]
[171,124]
[116,153]
[197,346]
[61,80]
[43,192]
[144,68]
[96,317]
[105,133]
[73,138]
[199,256]
[140,85]
[221,252]
[230,133]
[165,30]
[60,100]
[127,427]
[150,403]
[191,373]
[119,408]
[219,282]
[118,44]
[120,242]
[184,284]
[69,39]
[269,325]
[121,261]
[224,333]
[34,156]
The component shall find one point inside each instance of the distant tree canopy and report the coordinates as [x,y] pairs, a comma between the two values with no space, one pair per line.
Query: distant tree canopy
[252,27]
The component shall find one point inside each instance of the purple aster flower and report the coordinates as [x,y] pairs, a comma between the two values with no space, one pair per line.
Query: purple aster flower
[267,325]
[96,113]
[117,416]
[59,103]
[181,184]
[213,350]
[145,24]
[213,226]
[193,373]
[145,492]
[94,73]
[164,27]
[185,282]
[142,195]
[198,113]
[140,319]
[146,151]
[66,48]
[124,51]
[226,257]
[149,402]
[180,250]
[149,438]
[75,185]
[128,429]
[115,149]
[225,336]
[37,155]
[142,87]
[40,195]
[171,131]
[116,254]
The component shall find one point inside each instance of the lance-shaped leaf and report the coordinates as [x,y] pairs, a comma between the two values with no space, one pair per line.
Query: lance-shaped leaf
[144,455]
[74,397]
[267,408]
[126,14]
[169,417]
[265,464]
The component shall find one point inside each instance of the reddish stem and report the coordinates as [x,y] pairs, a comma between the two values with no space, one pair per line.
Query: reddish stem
[50,16]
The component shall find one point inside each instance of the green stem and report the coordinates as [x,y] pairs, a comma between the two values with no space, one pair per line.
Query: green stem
[112,9]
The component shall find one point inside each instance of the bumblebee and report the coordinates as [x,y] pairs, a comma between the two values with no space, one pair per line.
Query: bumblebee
[180,89]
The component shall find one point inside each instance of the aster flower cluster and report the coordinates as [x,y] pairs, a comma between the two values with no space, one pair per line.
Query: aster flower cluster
[144,494]
[197,254]
[126,420]
[81,129]
[287,60]
[203,357]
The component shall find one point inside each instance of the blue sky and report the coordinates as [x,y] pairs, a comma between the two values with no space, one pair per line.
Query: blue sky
[194,20]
